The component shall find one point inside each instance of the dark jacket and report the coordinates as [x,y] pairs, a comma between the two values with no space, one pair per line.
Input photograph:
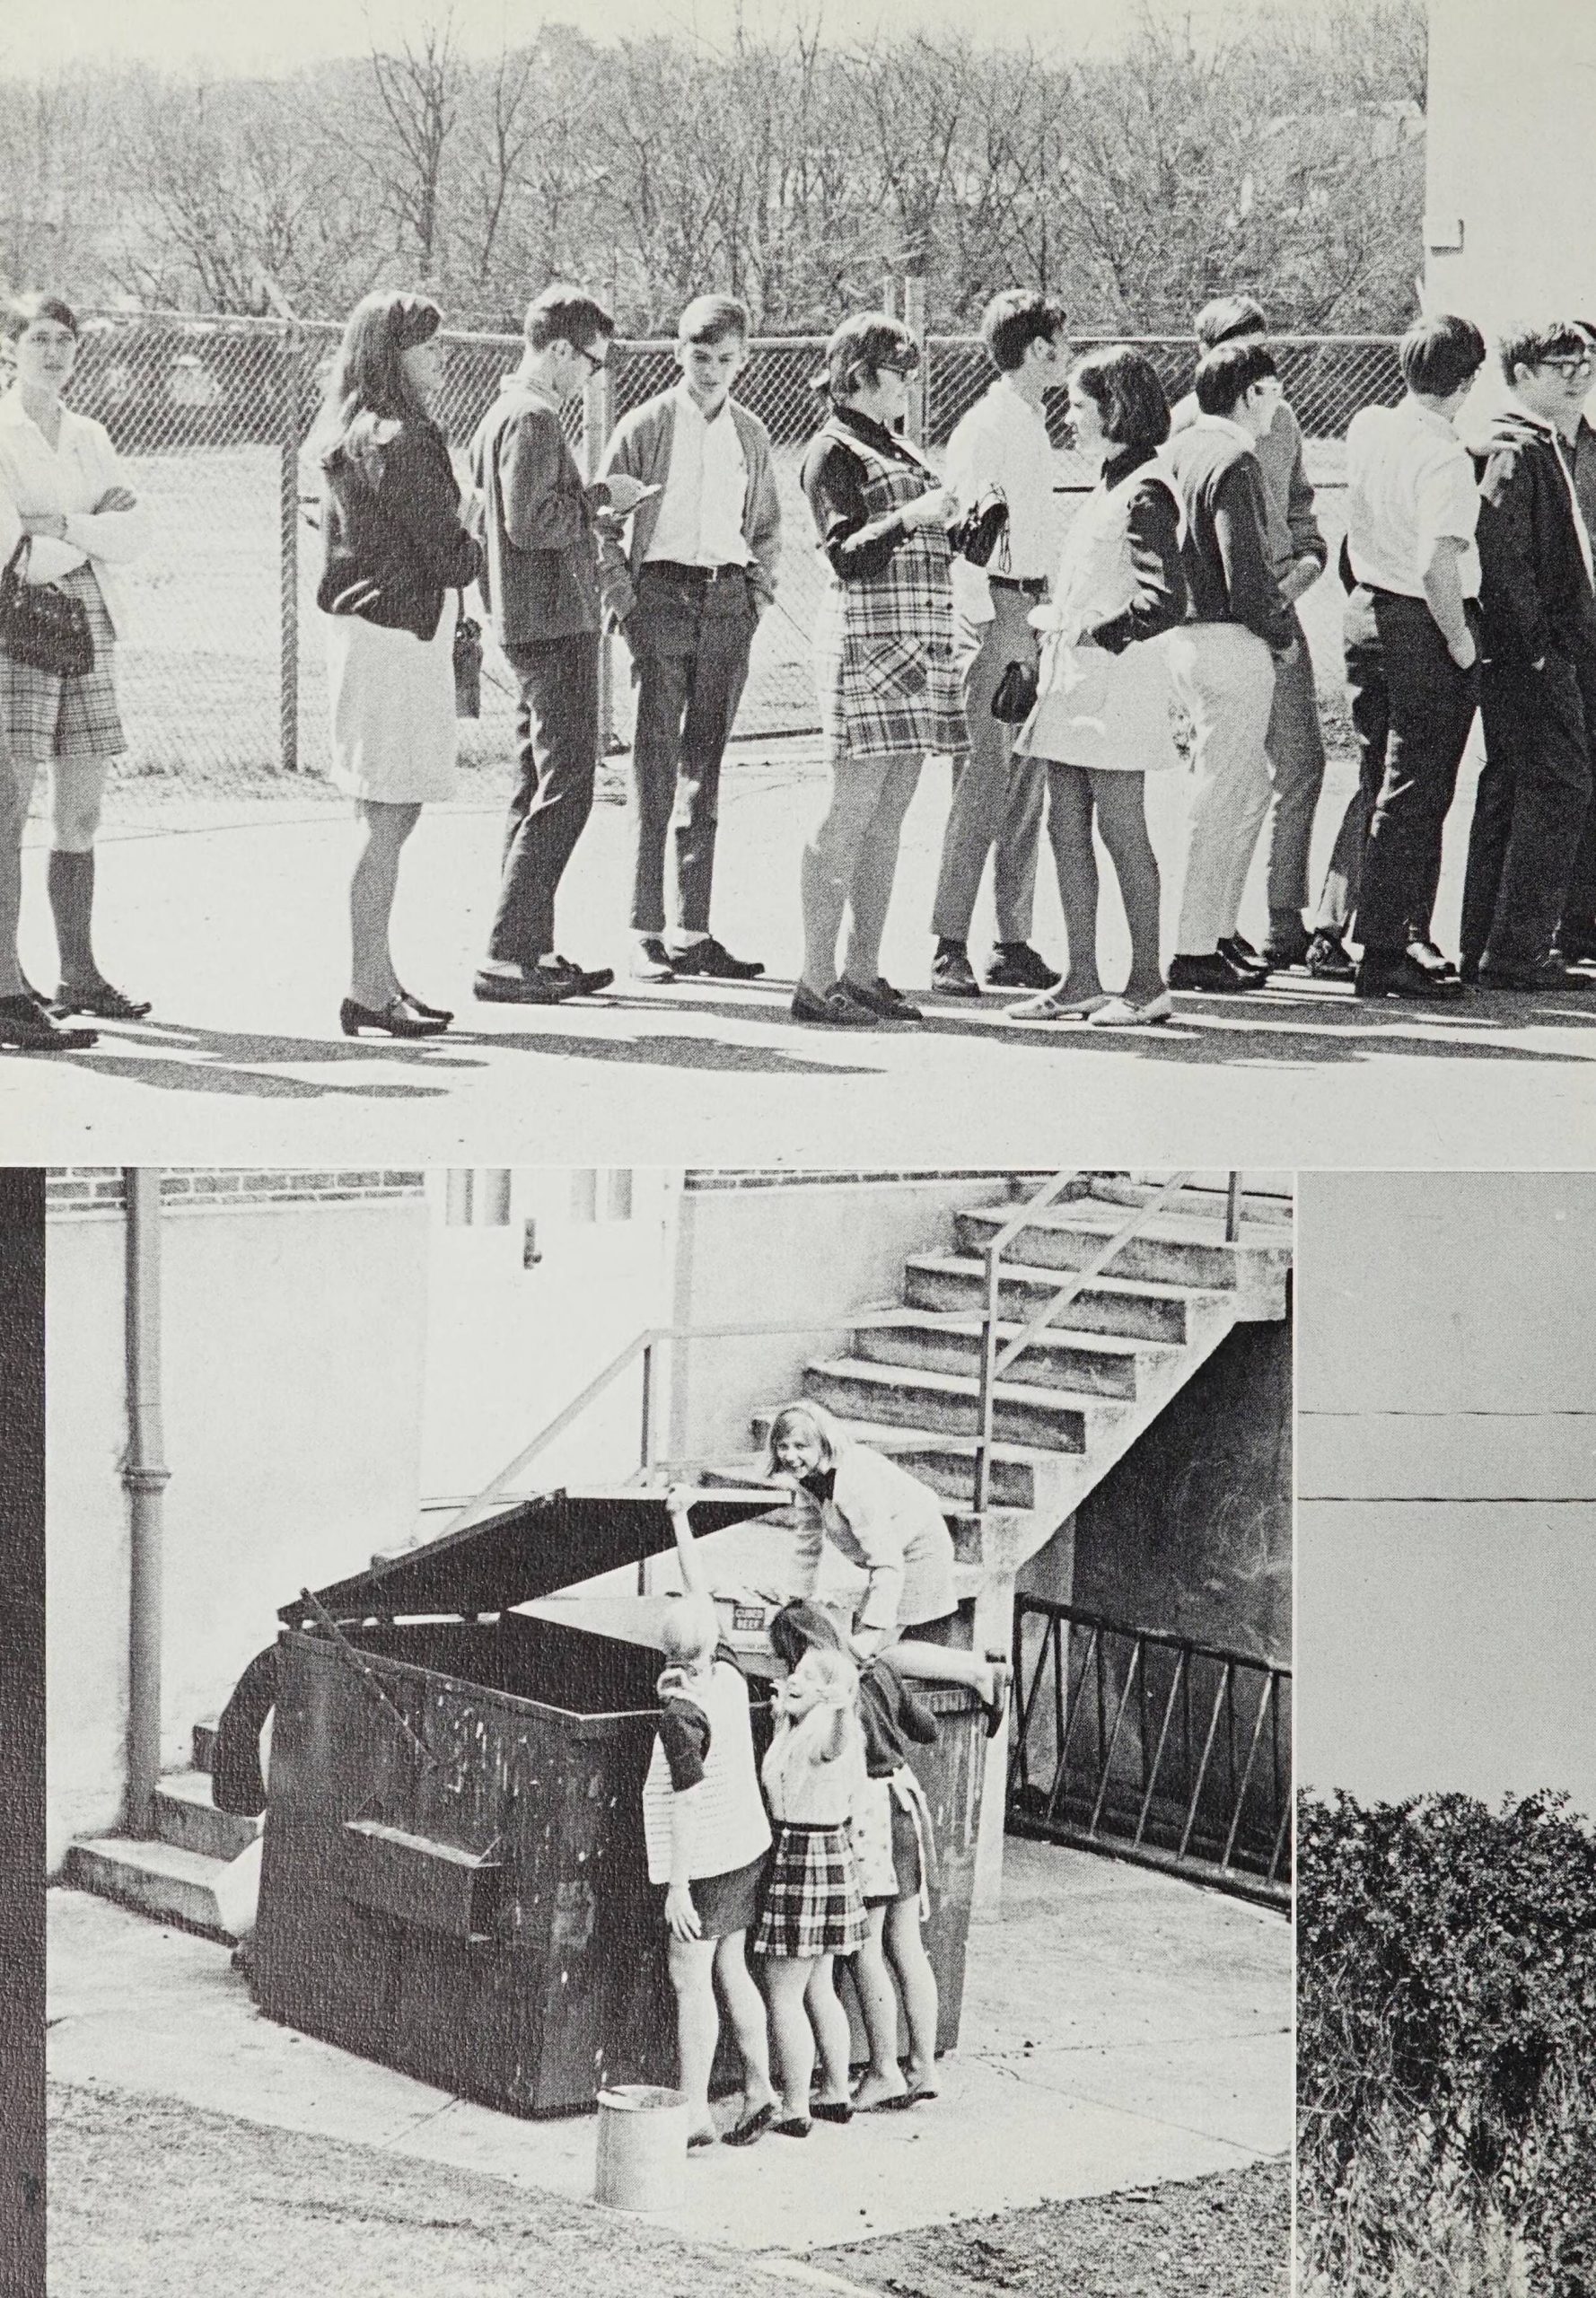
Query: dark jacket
[1226,553]
[1535,593]
[394,547]
[236,1781]
[1153,530]
[540,521]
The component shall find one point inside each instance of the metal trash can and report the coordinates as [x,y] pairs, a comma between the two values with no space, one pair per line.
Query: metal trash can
[455,1880]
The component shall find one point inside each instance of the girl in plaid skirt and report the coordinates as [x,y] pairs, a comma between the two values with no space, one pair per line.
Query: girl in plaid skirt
[813,1774]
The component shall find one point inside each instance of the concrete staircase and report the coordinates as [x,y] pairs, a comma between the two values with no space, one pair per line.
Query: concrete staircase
[1080,1396]
[171,1875]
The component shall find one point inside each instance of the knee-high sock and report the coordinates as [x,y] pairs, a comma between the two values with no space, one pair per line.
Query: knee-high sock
[71,881]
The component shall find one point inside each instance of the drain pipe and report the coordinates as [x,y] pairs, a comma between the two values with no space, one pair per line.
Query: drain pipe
[145,1476]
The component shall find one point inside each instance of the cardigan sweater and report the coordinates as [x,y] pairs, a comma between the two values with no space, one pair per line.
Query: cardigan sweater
[640,447]
[394,543]
[540,523]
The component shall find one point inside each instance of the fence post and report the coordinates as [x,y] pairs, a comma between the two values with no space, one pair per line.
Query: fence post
[914,319]
[598,420]
[292,369]
[889,297]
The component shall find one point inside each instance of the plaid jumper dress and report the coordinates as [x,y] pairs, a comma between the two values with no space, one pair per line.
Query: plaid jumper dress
[884,643]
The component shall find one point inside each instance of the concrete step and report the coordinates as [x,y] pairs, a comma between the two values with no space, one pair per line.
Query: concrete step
[158,1879]
[1052,1419]
[955,1284]
[1206,1200]
[1090,1364]
[204,1743]
[946,1462]
[1174,1248]
[186,1817]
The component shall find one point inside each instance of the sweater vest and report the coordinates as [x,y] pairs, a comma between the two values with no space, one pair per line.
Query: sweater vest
[729,1825]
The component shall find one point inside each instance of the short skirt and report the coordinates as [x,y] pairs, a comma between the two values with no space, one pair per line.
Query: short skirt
[729,1902]
[812,1904]
[48,718]
[888,1847]
[1110,712]
[395,736]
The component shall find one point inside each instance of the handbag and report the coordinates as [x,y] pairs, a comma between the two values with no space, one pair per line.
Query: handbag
[468,665]
[975,538]
[45,628]
[1015,697]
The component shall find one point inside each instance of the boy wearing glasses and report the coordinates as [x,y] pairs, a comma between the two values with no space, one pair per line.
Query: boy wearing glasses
[540,532]
[1539,685]
[688,594]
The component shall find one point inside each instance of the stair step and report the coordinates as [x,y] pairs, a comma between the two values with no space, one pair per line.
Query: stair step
[204,1743]
[1208,1203]
[946,1461]
[956,1282]
[186,1817]
[1175,1247]
[158,1879]
[1054,1420]
[1092,1363]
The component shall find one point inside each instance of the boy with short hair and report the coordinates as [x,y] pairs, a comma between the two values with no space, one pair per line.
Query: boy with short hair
[686,594]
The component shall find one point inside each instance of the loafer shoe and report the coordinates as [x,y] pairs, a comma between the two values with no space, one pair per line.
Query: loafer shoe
[538,985]
[102,999]
[713,958]
[1431,960]
[1286,948]
[1242,953]
[1050,1007]
[1119,1013]
[838,1008]
[882,999]
[1327,959]
[1402,976]
[1015,965]
[1212,975]
[24,1026]
[952,974]
[650,962]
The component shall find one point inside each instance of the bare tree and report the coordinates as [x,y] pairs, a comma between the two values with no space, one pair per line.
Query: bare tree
[418,87]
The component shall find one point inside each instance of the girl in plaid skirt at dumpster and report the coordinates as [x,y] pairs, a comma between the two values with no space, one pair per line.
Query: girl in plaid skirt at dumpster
[813,1775]
[889,693]
[82,520]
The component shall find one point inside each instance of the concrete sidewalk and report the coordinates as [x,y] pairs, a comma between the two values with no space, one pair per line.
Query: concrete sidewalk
[1120,2028]
[234,926]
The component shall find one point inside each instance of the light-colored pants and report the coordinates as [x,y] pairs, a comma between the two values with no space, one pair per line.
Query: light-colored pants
[1294,745]
[1224,677]
[850,861]
[998,798]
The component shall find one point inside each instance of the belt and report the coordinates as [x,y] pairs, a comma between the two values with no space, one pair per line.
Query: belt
[1035,586]
[695,574]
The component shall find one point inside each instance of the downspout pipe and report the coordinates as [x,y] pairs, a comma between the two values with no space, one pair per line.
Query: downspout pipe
[145,1476]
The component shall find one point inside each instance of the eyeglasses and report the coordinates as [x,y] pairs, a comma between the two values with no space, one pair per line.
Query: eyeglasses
[594,366]
[1574,362]
[905,365]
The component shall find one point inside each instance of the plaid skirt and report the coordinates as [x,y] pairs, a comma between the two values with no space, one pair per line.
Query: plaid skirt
[44,717]
[812,1902]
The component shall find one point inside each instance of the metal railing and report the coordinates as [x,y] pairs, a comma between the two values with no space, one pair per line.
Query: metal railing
[1152,1748]
[996,1360]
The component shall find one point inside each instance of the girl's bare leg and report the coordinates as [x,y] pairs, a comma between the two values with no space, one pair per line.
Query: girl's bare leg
[745,2008]
[698,2026]
[787,1978]
[879,1999]
[906,1953]
[830,2022]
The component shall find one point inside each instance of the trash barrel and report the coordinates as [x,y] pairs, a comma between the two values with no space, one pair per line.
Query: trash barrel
[642,2147]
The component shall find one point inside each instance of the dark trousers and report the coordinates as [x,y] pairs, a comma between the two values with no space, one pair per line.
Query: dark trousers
[1577,933]
[690,638]
[1529,811]
[1411,710]
[557,734]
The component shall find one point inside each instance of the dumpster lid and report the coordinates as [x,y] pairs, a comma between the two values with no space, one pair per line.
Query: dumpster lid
[532,1547]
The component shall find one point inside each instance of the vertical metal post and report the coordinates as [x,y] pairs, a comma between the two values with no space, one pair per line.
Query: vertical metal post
[646,1448]
[914,319]
[146,1476]
[889,297]
[984,1403]
[598,420]
[1232,1208]
[291,369]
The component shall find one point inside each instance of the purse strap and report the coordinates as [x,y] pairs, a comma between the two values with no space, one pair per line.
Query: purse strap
[24,552]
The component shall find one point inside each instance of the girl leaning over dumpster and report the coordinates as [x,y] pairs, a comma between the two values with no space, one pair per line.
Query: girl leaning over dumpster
[814,1909]
[708,1838]
[894,1852]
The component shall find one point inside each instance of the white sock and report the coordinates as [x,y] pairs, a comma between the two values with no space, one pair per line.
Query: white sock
[681,940]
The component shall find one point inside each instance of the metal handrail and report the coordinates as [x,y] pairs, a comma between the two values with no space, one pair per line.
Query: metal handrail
[994,1363]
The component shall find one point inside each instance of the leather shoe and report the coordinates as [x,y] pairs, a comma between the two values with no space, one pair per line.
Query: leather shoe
[1015,965]
[882,998]
[1551,973]
[398,1018]
[23,1025]
[102,999]
[952,974]
[650,962]
[1287,948]
[1433,960]
[1212,975]
[537,985]
[713,958]
[1240,952]
[1327,959]
[840,1008]
[1388,974]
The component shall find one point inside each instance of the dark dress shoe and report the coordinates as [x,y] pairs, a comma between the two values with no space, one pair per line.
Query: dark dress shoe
[1015,965]
[838,1008]
[398,1018]
[712,958]
[1287,947]
[882,998]
[1212,975]
[433,1013]
[1425,955]
[102,999]
[751,2128]
[1240,952]
[832,2109]
[1327,959]
[1397,974]
[650,962]
[538,985]
[1549,973]
[23,1025]
[952,974]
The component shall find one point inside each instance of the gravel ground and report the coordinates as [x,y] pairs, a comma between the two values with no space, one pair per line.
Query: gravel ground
[1226,2237]
[149,2198]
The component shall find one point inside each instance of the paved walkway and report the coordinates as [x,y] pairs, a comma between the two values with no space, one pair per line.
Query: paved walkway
[1120,2028]
[231,920]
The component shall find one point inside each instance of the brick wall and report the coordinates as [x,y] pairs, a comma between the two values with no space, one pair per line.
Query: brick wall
[73,1191]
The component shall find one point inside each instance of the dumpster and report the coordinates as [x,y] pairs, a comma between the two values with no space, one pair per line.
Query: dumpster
[454,1879]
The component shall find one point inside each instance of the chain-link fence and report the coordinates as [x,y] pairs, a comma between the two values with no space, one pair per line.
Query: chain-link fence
[223,678]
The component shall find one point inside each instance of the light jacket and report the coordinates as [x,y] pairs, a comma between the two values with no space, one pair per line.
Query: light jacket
[640,447]
[893,1527]
[70,479]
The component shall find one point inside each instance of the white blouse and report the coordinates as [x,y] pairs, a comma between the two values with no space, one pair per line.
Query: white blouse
[69,478]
